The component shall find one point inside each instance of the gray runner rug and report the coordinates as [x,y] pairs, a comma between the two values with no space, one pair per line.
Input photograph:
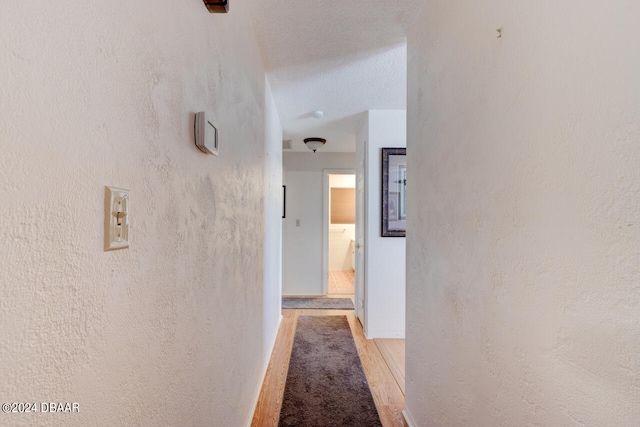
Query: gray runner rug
[322,303]
[326,385]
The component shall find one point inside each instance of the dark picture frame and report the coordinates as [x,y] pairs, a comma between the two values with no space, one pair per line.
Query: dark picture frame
[284,201]
[394,191]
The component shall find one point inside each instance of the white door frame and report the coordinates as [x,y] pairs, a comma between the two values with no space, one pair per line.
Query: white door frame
[325,222]
[361,227]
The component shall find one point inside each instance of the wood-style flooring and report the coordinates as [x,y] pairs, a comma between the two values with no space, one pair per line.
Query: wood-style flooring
[386,378]
[392,351]
[341,282]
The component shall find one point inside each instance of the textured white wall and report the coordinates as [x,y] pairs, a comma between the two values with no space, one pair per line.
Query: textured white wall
[302,246]
[524,244]
[169,331]
[385,256]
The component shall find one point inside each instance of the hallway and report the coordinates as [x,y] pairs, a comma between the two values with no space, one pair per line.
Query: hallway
[386,390]
[517,286]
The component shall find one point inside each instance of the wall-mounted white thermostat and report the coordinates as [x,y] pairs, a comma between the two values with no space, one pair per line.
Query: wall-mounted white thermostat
[206,133]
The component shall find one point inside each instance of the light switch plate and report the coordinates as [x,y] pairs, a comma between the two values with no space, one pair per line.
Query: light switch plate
[116,218]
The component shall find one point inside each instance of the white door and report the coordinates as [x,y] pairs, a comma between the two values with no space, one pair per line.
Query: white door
[360,227]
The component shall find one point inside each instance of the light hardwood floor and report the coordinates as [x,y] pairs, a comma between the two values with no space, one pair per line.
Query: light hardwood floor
[341,282]
[387,393]
[392,351]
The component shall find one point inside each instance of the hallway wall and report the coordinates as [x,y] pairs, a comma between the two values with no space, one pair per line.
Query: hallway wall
[272,300]
[385,256]
[524,234]
[172,330]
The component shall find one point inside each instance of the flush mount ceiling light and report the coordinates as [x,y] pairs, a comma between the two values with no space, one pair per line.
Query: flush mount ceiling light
[217,6]
[314,144]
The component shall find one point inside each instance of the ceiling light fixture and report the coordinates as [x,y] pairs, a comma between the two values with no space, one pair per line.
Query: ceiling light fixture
[314,144]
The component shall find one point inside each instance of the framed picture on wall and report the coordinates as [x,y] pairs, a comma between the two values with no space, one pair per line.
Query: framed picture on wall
[394,192]
[284,201]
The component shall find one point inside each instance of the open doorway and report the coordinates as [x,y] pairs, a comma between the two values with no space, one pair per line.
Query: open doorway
[340,228]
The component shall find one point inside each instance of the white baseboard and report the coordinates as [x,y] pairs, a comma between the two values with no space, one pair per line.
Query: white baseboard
[264,374]
[298,295]
[409,419]
[377,333]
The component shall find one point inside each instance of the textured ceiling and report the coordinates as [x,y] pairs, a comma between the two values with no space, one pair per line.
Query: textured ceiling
[341,57]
